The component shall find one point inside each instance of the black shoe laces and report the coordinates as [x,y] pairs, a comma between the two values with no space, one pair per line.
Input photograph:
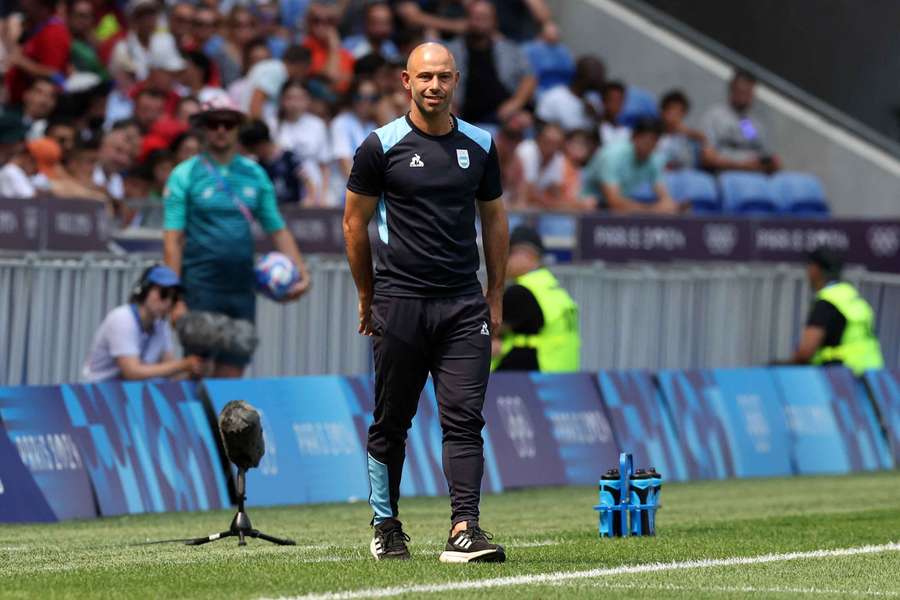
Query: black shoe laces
[395,539]
[477,534]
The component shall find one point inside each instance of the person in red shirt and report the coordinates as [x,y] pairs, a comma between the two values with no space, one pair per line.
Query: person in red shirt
[329,58]
[42,52]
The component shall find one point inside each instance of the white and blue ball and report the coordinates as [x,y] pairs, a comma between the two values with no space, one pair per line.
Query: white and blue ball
[275,275]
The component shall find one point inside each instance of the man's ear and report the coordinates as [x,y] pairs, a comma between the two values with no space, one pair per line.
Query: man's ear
[404,78]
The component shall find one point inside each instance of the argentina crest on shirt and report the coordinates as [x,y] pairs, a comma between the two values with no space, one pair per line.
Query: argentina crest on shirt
[462,157]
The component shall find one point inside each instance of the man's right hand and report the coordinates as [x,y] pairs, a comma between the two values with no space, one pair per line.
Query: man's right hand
[196,366]
[365,317]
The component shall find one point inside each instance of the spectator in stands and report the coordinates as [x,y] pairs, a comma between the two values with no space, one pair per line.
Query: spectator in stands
[133,137]
[282,166]
[256,51]
[134,342]
[540,319]
[394,98]
[17,175]
[63,132]
[208,40]
[149,105]
[841,324]
[38,103]
[79,165]
[83,53]
[627,176]
[495,77]
[181,24]
[185,146]
[143,40]
[376,36]
[328,57]
[56,165]
[119,104]
[433,19]
[267,77]
[197,76]
[187,107]
[611,131]
[580,146]
[42,52]
[550,59]
[542,166]
[511,134]
[350,128]
[738,139]
[680,145]
[114,157]
[576,105]
[306,135]
[242,28]
[278,38]
[522,20]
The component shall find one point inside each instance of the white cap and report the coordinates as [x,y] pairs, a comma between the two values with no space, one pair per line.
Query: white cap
[165,56]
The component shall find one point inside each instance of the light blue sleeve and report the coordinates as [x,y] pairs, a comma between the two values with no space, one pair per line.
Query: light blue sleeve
[175,197]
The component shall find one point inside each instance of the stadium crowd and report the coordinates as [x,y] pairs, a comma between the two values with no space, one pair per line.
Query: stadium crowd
[98,98]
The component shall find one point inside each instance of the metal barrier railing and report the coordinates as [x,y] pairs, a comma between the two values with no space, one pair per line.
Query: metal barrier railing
[654,317]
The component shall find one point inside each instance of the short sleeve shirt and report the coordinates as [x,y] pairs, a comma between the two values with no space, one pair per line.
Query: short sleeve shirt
[119,335]
[617,165]
[427,188]
[204,199]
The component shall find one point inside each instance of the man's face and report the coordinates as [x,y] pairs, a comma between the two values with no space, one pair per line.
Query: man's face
[81,19]
[550,141]
[205,22]
[673,114]
[221,131]
[144,22]
[322,20]
[365,99]
[159,301]
[741,94]
[82,165]
[379,23]
[181,19]
[115,151]
[644,144]
[612,103]
[147,109]
[64,135]
[431,79]
[243,27]
[295,101]
[482,21]
[40,99]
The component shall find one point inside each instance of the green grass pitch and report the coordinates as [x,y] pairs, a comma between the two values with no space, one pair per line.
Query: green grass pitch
[550,535]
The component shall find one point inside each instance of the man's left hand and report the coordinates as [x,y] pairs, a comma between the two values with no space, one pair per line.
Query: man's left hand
[299,288]
[495,304]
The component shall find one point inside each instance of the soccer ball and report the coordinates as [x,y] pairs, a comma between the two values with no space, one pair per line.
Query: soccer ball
[275,275]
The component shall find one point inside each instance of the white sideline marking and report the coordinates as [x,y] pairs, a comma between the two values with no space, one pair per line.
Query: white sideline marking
[747,589]
[551,578]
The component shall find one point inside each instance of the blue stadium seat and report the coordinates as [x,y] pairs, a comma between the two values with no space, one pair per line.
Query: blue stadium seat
[696,187]
[799,193]
[638,103]
[747,193]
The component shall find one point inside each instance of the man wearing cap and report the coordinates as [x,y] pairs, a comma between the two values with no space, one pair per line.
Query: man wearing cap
[210,203]
[135,341]
[840,328]
[144,44]
[540,319]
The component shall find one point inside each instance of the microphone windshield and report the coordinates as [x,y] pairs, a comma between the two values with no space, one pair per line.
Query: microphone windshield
[242,434]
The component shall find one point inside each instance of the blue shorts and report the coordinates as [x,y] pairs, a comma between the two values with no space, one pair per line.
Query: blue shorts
[235,305]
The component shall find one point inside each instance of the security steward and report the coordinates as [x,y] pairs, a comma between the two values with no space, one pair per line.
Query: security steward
[840,327]
[540,318]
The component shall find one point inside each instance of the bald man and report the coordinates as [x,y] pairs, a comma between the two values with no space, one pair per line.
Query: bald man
[422,177]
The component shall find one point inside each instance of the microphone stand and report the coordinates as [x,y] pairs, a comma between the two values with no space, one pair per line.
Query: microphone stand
[240,524]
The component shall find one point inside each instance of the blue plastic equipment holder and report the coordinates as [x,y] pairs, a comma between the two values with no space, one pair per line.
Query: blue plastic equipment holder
[624,507]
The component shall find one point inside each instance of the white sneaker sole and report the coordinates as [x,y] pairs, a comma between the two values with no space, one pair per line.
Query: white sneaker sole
[373,550]
[448,556]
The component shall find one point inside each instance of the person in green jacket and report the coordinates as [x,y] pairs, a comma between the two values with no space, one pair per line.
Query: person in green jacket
[540,319]
[840,328]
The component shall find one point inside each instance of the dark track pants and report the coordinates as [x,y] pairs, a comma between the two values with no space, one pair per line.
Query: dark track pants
[449,338]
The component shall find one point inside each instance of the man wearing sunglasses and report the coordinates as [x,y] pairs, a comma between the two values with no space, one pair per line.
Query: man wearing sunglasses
[210,203]
[134,342]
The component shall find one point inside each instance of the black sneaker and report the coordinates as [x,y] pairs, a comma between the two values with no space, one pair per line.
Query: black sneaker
[472,545]
[389,541]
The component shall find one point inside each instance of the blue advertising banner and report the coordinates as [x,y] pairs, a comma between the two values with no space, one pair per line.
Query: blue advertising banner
[313,451]
[858,422]
[521,435]
[830,433]
[885,389]
[21,500]
[641,423]
[147,447]
[730,422]
[572,406]
[38,425]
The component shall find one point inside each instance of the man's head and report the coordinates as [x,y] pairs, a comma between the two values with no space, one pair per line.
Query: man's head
[80,18]
[149,105]
[590,74]
[242,25]
[115,153]
[321,21]
[580,146]
[63,132]
[740,90]
[526,251]
[39,99]
[220,119]
[198,71]
[481,23]
[37,10]
[187,107]
[379,22]
[294,100]
[80,161]
[515,126]
[823,265]
[143,16]
[256,50]
[132,132]
[157,291]
[613,94]
[206,23]
[431,77]
[644,135]
[673,108]
[550,140]
[181,22]
[255,138]
[296,61]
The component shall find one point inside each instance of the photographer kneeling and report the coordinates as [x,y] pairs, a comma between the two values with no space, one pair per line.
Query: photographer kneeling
[134,342]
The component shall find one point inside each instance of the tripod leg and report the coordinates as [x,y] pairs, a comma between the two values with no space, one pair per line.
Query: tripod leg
[273,539]
[210,538]
[241,540]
